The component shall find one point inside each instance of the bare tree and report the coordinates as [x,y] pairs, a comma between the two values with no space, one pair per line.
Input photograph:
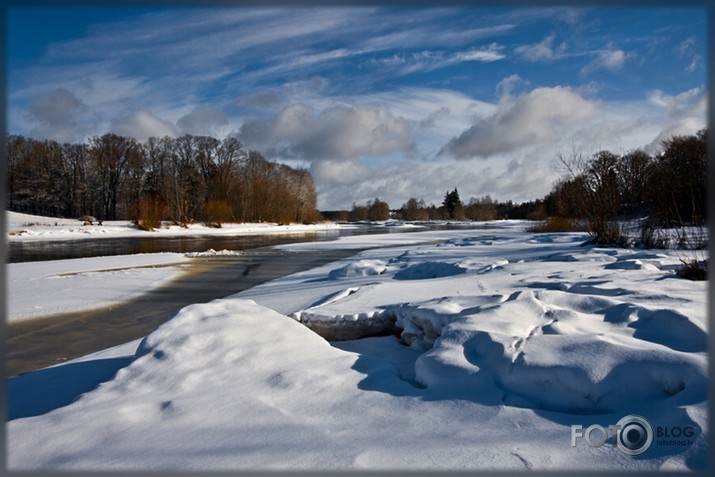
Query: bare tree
[182,179]
[378,210]
[111,155]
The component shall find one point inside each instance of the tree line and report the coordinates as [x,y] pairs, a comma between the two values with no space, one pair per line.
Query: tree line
[598,194]
[452,208]
[184,179]
[666,190]
[200,178]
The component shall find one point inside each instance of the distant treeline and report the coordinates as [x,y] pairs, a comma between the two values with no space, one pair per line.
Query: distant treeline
[668,189]
[452,208]
[184,179]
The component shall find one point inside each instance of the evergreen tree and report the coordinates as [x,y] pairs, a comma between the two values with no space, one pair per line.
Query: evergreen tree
[453,206]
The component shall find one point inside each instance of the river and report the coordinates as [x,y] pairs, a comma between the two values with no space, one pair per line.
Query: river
[30,251]
[37,343]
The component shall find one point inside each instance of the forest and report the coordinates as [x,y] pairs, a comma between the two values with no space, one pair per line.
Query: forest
[185,179]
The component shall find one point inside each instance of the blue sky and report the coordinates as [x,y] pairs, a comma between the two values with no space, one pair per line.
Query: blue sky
[376,102]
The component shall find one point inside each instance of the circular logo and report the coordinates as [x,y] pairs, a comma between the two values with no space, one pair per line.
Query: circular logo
[635,435]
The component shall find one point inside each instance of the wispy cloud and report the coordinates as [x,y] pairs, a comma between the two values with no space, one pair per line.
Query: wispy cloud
[541,51]
[425,61]
[687,49]
[609,58]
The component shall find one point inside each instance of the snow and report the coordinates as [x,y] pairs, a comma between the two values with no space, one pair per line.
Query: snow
[27,228]
[38,289]
[503,340]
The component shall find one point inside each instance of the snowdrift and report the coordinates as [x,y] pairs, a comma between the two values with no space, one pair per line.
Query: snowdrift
[495,348]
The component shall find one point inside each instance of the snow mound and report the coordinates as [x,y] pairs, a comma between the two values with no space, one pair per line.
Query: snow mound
[324,316]
[575,341]
[429,270]
[361,268]
[529,352]
[632,264]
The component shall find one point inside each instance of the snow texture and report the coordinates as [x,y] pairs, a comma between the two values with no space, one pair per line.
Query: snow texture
[479,351]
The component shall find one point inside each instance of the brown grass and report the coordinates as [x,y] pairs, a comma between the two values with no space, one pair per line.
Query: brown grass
[556,224]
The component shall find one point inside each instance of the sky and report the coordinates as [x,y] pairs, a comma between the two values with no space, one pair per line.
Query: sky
[375,101]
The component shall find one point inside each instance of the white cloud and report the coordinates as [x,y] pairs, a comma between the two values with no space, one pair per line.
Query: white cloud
[339,172]
[142,125]
[682,114]
[687,49]
[672,104]
[610,59]
[613,59]
[486,54]
[508,84]
[424,28]
[400,180]
[337,132]
[542,51]
[542,115]
[204,120]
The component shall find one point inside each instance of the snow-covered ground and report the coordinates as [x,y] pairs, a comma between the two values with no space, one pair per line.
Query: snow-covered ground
[506,340]
[25,227]
[38,289]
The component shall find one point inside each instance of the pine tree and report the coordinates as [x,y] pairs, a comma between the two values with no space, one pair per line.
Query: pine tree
[453,205]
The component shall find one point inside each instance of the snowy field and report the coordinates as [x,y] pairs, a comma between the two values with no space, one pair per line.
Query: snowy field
[503,341]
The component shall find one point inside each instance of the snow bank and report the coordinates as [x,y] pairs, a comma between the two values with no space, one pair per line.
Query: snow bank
[360,268]
[488,367]
[215,253]
[37,289]
[25,227]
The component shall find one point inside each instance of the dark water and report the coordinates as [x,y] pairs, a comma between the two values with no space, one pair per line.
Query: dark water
[98,247]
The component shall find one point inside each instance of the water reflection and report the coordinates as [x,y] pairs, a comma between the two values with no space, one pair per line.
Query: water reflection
[18,251]
[63,249]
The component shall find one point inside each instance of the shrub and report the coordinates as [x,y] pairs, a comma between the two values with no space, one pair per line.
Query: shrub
[652,237]
[150,213]
[556,224]
[607,233]
[693,269]
[217,211]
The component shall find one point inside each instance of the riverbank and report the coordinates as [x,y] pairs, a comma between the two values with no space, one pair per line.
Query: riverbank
[25,228]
